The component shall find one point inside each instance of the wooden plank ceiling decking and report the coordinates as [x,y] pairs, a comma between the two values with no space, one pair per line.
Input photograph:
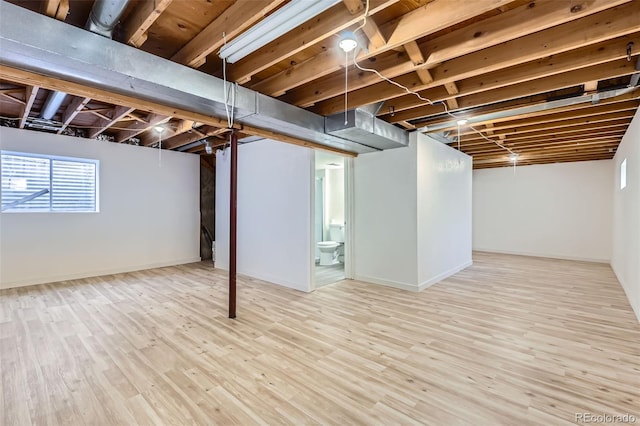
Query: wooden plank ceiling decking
[475,57]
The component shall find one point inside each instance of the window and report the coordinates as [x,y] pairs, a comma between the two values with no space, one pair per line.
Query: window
[623,174]
[43,183]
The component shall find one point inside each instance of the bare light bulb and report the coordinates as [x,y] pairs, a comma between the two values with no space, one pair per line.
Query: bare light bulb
[208,148]
[462,122]
[348,42]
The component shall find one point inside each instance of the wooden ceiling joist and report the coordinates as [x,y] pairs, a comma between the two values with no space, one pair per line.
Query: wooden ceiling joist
[575,130]
[417,59]
[565,135]
[30,96]
[631,97]
[143,16]
[314,67]
[560,118]
[519,22]
[6,94]
[58,9]
[375,36]
[322,26]
[532,162]
[171,130]
[395,63]
[73,109]
[353,6]
[104,122]
[601,147]
[495,53]
[471,58]
[233,21]
[560,65]
[186,138]
[538,144]
[138,127]
[541,85]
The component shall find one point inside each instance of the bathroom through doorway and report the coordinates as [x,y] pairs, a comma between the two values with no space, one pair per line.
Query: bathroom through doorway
[330,218]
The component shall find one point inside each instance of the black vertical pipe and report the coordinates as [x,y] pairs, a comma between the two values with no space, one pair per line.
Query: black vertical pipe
[233,221]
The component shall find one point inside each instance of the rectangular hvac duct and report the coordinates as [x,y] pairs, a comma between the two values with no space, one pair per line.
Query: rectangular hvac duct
[360,126]
[63,51]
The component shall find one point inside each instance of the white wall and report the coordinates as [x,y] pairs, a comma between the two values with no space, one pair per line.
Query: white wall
[444,210]
[149,215]
[274,212]
[625,259]
[554,210]
[385,246]
[412,214]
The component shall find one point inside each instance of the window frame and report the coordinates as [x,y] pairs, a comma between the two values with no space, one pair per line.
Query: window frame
[623,174]
[51,159]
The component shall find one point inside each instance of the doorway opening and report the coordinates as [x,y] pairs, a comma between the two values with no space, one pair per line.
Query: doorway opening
[330,218]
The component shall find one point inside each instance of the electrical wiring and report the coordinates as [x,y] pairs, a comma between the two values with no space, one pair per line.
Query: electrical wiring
[227,88]
[412,92]
[364,17]
[426,100]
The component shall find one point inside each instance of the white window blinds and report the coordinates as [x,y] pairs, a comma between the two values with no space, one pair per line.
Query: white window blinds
[47,183]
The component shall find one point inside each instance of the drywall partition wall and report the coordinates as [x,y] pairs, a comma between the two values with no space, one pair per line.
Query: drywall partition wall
[149,215]
[274,212]
[412,214]
[625,259]
[444,210]
[554,210]
[385,218]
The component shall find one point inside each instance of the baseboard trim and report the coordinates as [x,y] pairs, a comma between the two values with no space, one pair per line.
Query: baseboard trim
[444,275]
[543,255]
[634,308]
[387,283]
[90,274]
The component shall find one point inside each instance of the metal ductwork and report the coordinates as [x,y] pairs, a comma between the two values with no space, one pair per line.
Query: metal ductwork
[594,98]
[103,18]
[52,104]
[362,126]
[62,51]
[105,15]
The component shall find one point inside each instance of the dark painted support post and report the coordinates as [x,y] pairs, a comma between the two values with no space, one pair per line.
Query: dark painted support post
[233,221]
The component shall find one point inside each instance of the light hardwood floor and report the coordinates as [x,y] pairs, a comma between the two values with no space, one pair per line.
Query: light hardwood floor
[511,340]
[328,274]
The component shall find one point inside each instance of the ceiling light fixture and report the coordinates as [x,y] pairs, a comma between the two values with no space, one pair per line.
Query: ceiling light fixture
[348,42]
[207,147]
[513,158]
[280,22]
[158,129]
[462,122]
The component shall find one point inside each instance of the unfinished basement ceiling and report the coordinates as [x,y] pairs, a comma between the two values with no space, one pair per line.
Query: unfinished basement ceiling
[479,58]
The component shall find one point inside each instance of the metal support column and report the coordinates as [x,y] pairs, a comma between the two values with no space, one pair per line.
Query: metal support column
[233,220]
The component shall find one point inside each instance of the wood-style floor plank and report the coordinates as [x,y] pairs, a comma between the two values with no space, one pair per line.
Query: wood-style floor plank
[510,340]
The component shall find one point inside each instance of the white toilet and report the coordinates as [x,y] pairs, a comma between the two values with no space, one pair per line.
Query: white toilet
[330,250]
